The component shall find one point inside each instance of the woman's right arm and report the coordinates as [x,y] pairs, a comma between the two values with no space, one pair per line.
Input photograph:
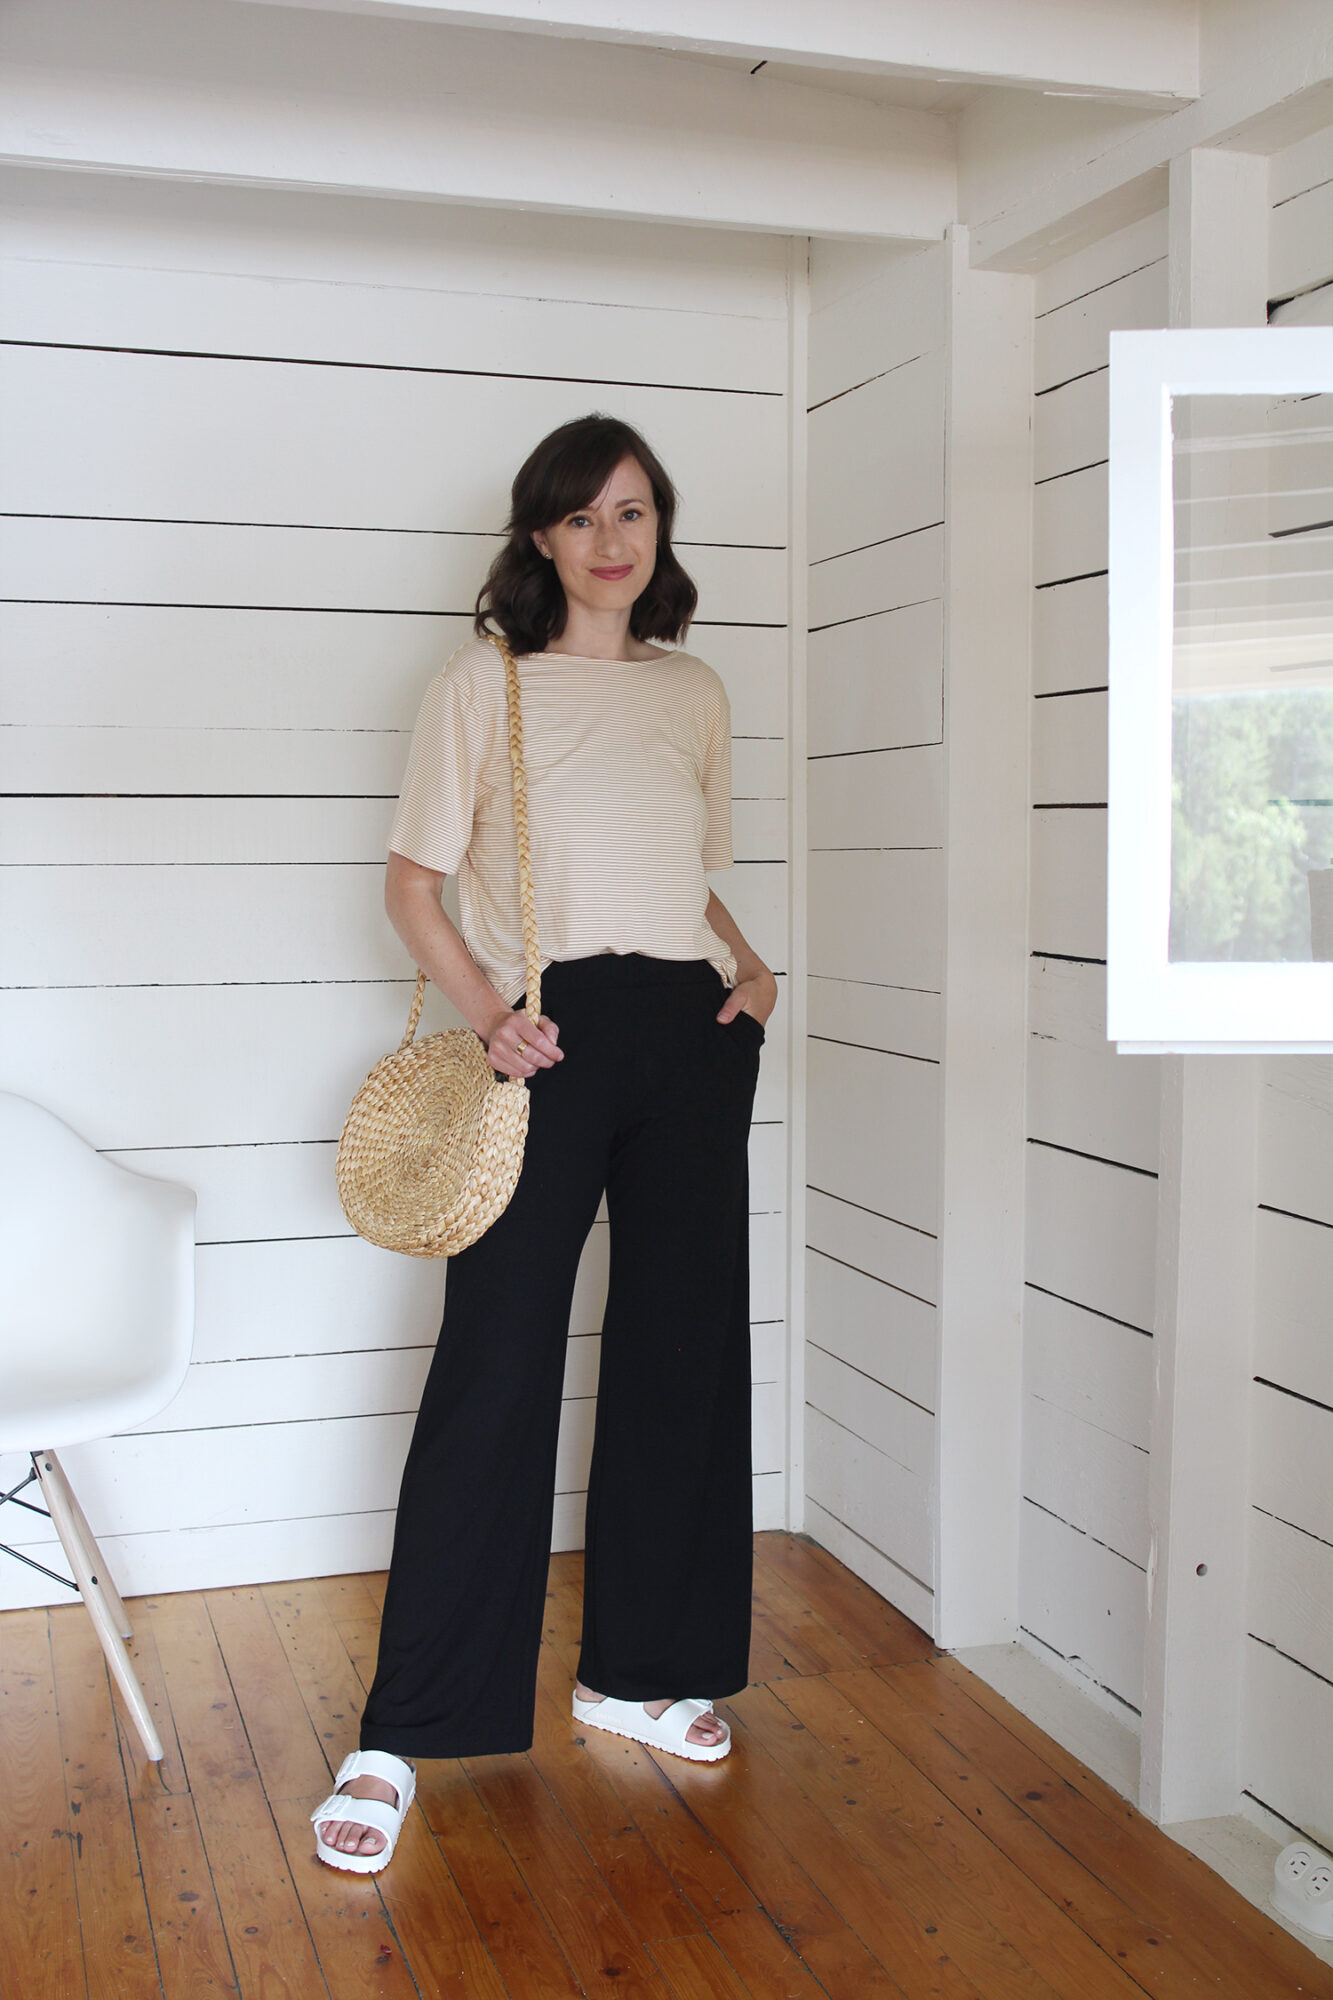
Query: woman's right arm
[412,899]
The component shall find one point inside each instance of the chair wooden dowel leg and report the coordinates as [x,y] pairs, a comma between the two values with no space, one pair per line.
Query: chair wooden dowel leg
[85,1559]
[97,1561]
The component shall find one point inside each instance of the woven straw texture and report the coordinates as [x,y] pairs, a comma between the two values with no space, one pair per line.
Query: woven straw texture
[432,1146]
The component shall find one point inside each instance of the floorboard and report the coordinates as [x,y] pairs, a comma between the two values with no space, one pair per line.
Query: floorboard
[886,1828]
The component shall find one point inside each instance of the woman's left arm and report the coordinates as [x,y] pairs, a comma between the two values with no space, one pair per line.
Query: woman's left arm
[756,990]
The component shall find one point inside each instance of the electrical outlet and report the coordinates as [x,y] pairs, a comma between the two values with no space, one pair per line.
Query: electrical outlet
[1303,1888]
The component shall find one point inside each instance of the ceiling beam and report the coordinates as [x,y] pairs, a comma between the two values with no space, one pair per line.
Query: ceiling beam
[1141,50]
[1037,180]
[279,97]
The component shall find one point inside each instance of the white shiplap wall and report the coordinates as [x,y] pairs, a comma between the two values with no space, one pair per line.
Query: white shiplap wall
[1092,1115]
[1288,1748]
[258,449]
[875,680]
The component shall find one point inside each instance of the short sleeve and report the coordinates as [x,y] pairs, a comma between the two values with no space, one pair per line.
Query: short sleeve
[433,823]
[717,782]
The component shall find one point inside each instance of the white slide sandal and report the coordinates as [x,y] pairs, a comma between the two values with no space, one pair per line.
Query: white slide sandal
[668,1731]
[346,1809]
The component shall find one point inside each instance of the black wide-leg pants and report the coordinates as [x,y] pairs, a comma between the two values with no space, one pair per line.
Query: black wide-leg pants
[651,1105]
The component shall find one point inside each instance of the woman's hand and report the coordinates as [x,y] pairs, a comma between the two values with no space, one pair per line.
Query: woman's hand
[757,996]
[516,1048]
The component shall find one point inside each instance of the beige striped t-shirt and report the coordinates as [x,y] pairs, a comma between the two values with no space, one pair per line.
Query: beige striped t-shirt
[629,803]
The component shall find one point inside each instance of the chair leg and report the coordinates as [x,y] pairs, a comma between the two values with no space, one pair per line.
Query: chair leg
[99,1568]
[106,1612]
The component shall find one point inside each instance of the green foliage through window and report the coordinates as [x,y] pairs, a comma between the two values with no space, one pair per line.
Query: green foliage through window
[1252,815]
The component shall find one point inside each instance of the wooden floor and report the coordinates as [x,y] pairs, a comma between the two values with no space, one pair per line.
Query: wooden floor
[884,1825]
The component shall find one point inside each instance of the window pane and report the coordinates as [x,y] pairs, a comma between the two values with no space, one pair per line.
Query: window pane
[1252,679]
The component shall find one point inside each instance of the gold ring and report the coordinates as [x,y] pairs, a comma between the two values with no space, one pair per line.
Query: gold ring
[521,1047]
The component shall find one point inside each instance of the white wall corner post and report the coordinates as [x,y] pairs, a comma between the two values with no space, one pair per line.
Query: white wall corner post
[987,616]
[1199,1484]
[798,593]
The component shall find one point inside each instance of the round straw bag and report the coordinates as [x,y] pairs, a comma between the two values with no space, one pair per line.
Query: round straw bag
[433,1143]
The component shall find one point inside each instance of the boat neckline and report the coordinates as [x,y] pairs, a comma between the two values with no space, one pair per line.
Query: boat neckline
[595,659]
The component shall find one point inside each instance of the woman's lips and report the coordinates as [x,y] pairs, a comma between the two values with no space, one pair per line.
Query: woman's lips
[614,575]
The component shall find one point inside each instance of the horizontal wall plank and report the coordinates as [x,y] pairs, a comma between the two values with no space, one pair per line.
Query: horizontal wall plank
[892,318]
[1296,1135]
[241,1552]
[873,1131]
[1298,242]
[877,682]
[201,439]
[1073,338]
[1306,164]
[1069,643]
[83,580]
[300,319]
[1089,1366]
[122,1064]
[91,665]
[1069,427]
[901,1430]
[278,233]
[1290,1600]
[300,1388]
[1288,1741]
[768,1428]
[758,768]
[1294,1293]
[130,1484]
[326,1295]
[1069,526]
[1086,1477]
[1100,263]
[878,917]
[1091,1234]
[1080,1092]
[885,1335]
[212,1478]
[1069,750]
[1084,1601]
[915,1599]
[1067,895]
[51,830]
[847,1234]
[877,798]
[188,926]
[1293,1446]
[333,1294]
[768,1266]
[876,460]
[898,1019]
[266,762]
[258,1193]
[184,762]
[879,576]
[873,1495]
[193,926]
[768,1352]
[251,1552]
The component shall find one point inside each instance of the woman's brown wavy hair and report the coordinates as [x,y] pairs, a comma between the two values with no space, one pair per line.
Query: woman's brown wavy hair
[522,594]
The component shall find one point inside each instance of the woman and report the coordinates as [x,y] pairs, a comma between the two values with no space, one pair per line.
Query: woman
[641,1082]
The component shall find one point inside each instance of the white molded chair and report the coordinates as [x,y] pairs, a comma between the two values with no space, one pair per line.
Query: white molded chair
[96,1325]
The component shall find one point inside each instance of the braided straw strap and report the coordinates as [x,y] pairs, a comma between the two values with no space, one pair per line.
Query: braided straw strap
[432,1146]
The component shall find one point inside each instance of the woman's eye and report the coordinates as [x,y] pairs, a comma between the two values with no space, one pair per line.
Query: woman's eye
[632,514]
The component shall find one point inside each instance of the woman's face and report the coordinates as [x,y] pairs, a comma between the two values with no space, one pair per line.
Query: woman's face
[605,554]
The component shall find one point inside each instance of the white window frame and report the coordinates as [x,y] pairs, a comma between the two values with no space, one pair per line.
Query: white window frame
[1153,1005]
